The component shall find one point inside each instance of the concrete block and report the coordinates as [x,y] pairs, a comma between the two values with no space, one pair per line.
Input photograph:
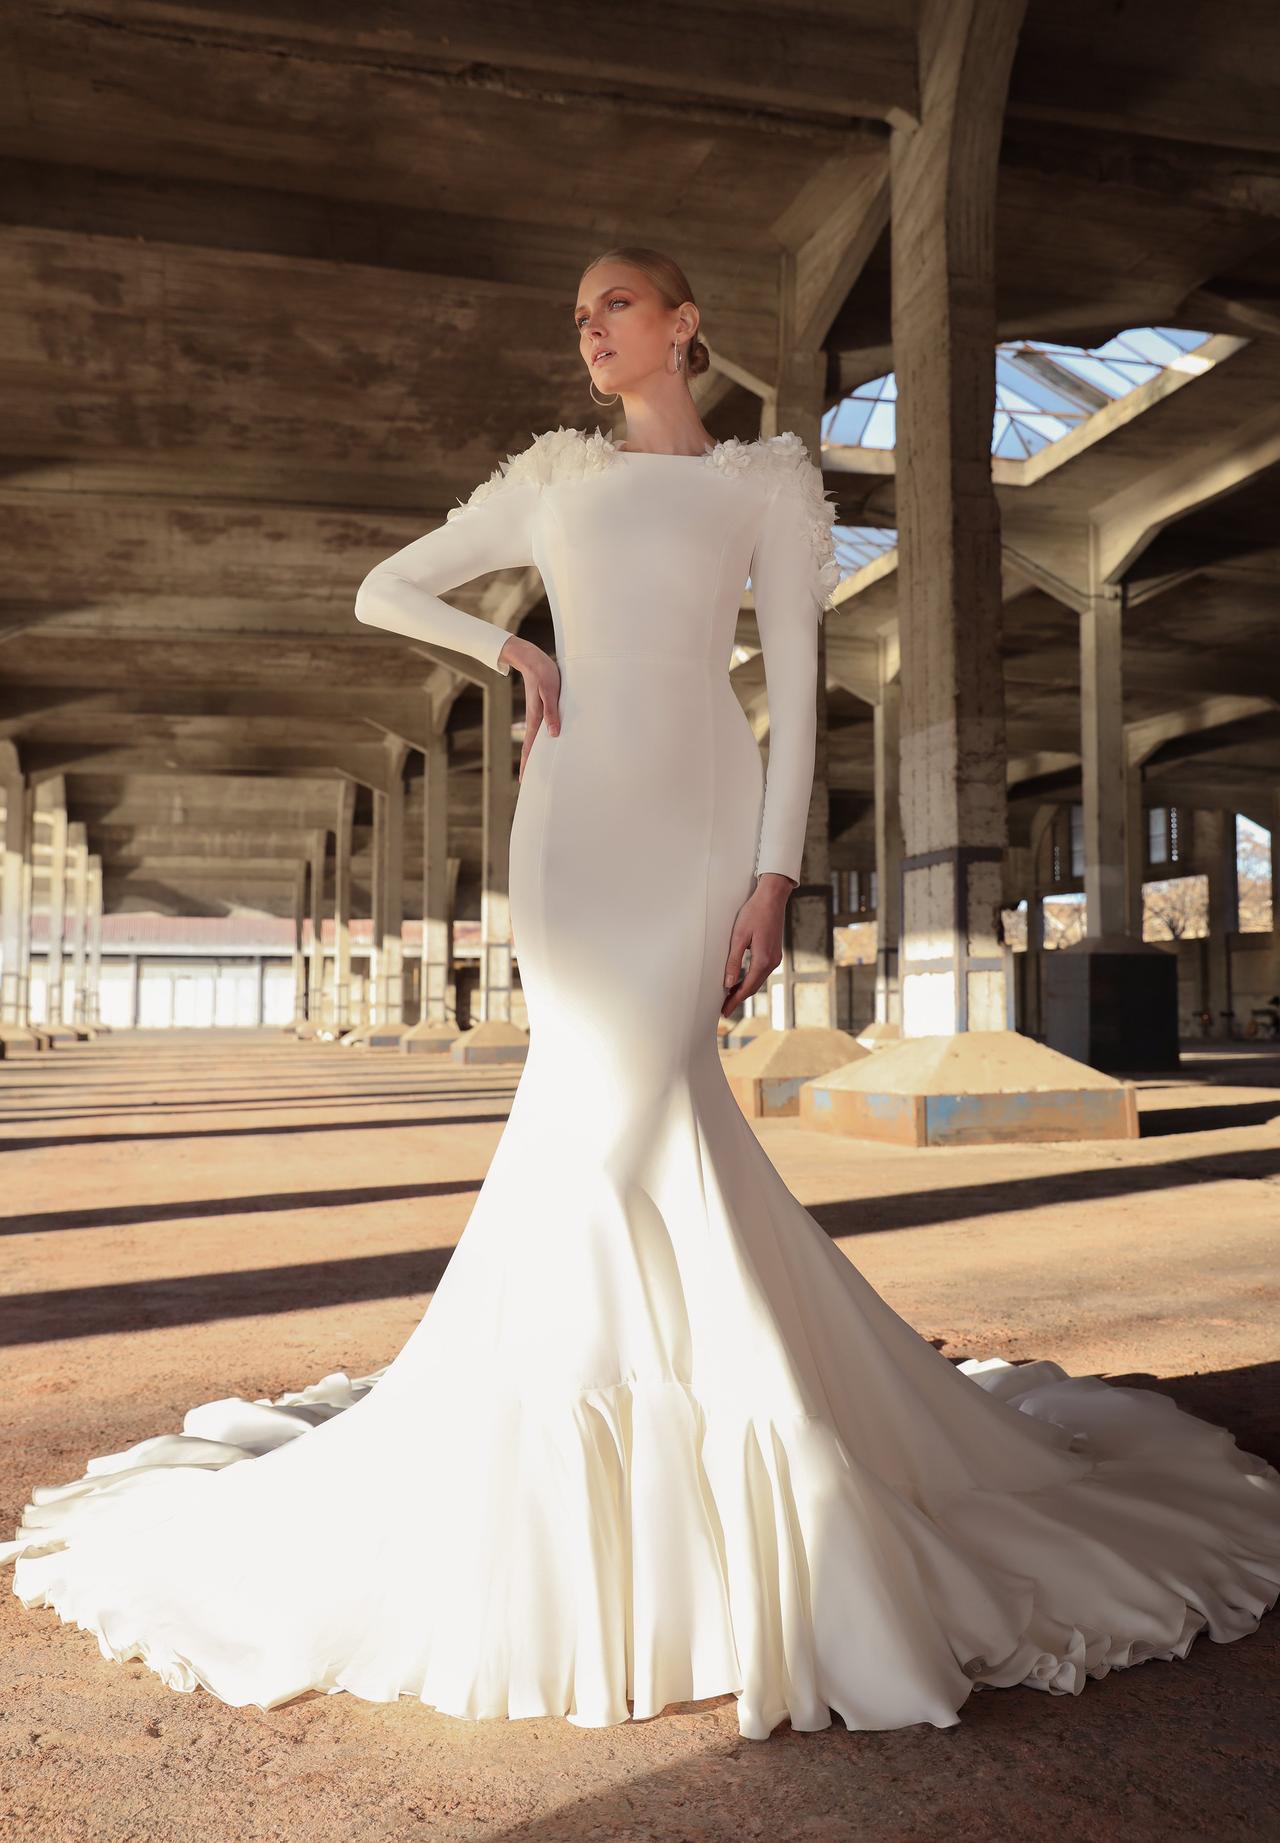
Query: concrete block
[980,1087]
[493,1041]
[385,1036]
[744,1031]
[62,1036]
[766,1077]
[875,1036]
[19,1037]
[430,1039]
[1112,1002]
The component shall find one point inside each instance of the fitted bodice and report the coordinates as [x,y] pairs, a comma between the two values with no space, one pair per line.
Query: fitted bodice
[645,555]
[649,557]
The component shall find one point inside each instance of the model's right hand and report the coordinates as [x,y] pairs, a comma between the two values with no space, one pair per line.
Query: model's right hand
[541,677]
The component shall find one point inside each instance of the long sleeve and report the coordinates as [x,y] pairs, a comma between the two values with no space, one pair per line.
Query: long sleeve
[493,531]
[793,571]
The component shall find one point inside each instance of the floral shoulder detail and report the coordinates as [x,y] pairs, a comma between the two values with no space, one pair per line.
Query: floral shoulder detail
[555,456]
[787,456]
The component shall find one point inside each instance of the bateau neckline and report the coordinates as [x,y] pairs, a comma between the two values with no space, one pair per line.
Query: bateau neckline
[661,454]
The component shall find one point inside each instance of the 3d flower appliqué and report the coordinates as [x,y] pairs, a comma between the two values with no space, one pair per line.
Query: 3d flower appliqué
[563,455]
[733,456]
[787,454]
[552,458]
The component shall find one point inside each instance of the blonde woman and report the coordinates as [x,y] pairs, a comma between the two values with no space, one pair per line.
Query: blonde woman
[655,1439]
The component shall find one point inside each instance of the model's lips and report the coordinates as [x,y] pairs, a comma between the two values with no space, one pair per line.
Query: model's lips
[599,357]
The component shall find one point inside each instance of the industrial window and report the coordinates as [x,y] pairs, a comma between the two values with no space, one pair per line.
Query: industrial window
[1255,890]
[1164,831]
[1157,834]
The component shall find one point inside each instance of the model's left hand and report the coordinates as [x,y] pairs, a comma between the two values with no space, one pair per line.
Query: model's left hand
[757,927]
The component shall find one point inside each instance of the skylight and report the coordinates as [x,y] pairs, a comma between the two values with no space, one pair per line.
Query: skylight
[1044,389]
[857,545]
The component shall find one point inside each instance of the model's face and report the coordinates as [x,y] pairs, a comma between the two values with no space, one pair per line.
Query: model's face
[624,331]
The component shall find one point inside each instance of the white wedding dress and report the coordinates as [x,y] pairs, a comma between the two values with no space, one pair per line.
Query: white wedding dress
[655,1438]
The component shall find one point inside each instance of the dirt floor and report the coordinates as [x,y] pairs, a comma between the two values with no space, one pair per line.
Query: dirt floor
[197,1214]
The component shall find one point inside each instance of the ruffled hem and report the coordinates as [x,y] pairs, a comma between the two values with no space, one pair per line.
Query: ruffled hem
[638,1546]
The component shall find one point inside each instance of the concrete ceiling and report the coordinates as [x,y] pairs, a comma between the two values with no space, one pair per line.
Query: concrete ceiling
[279,285]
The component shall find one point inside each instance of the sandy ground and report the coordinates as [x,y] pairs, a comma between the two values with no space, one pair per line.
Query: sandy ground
[191,1215]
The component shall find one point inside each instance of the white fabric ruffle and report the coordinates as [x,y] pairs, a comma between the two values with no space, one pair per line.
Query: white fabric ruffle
[794,1574]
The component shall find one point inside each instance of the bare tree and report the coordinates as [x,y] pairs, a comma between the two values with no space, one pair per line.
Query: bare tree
[1013,929]
[1253,877]
[1176,909]
[1064,921]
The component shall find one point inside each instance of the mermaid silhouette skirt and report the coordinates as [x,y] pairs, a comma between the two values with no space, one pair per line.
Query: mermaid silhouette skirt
[655,1438]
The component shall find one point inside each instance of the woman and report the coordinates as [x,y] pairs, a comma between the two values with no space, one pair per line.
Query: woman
[655,1439]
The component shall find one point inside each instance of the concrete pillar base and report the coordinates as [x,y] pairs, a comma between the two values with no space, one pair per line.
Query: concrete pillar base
[385,1036]
[493,1041]
[1112,1001]
[744,1030]
[64,1033]
[875,1036]
[766,1077]
[429,1039]
[22,1036]
[979,1087]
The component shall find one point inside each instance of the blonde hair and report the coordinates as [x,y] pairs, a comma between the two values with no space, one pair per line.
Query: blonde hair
[673,288]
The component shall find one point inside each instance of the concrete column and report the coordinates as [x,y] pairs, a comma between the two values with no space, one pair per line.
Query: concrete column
[1041,844]
[315,956]
[1104,763]
[803,988]
[17,796]
[497,803]
[135,991]
[888,836]
[1033,977]
[437,909]
[93,967]
[374,1001]
[953,757]
[28,910]
[262,990]
[52,795]
[299,961]
[1135,850]
[1215,853]
[342,843]
[391,964]
[78,918]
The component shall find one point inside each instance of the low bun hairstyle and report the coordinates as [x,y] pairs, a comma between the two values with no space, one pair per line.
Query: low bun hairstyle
[673,287]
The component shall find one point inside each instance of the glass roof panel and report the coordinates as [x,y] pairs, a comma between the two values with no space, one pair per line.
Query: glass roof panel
[1044,389]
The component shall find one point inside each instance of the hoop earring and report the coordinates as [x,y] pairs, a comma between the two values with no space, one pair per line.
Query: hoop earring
[676,345]
[604,402]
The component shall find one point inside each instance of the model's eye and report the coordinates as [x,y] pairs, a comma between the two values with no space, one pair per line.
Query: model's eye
[617,301]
